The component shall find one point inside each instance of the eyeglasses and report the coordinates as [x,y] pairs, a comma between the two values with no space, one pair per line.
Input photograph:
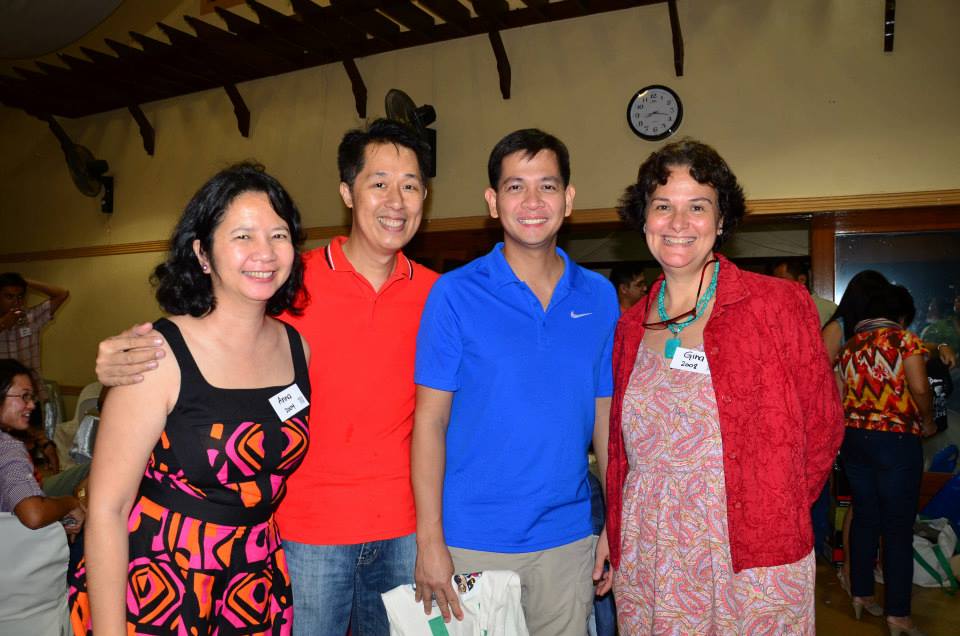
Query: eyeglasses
[26,396]
[687,315]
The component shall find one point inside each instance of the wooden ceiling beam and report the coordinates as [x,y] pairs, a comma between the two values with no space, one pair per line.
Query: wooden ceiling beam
[191,49]
[162,59]
[503,62]
[240,110]
[226,69]
[410,16]
[889,24]
[295,31]
[340,32]
[357,85]
[73,81]
[534,6]
[274,43]
[492,11]
[308,36]
[147,133]
[113,84]
[37,102]
[124,68]
[224,45]
[368,20]
[265,39]
[677,35]
[451,11]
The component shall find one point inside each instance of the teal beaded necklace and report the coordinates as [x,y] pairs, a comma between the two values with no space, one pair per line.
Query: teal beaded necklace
[670,347]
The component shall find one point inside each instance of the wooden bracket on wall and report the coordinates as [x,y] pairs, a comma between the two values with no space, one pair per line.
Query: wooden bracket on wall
[503,62]
[146,130]
[359,88]
[239,109]
[889,22]
[677,37]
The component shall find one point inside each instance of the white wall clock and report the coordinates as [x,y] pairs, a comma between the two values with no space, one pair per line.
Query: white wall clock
[654,112]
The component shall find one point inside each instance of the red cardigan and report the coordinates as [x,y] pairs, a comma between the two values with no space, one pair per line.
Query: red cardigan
[781,421]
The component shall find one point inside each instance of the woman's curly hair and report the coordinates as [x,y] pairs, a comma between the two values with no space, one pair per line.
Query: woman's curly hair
[706,167]
[181,285]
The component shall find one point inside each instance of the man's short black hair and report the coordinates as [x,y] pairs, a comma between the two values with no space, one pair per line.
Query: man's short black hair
[12,279]
[796,268]
[529,141]
[625,273]
[350,154]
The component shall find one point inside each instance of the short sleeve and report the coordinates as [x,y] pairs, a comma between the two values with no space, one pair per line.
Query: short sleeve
[439,342]
[605,381]
[16,476]
[39,315]
[911,345]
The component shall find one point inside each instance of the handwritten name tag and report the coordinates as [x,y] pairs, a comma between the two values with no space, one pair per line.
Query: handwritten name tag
[690,360]
[288,402]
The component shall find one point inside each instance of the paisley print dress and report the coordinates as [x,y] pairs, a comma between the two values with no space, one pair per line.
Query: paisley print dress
[676,575]
[205,555]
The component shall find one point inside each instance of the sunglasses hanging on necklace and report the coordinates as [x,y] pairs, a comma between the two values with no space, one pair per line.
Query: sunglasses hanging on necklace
[679,323]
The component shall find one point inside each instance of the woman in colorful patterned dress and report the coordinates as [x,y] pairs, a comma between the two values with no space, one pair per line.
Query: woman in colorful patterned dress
[190,463]
[725,421]
[889,407]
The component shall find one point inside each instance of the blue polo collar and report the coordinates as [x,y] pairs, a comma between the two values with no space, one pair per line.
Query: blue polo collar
[500,273]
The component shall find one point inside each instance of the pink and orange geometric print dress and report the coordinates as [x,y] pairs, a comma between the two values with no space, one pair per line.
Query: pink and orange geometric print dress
[676,575]
[205,555]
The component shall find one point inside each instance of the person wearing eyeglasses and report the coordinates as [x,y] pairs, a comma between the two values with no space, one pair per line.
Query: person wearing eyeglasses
[20,491]
[725,421]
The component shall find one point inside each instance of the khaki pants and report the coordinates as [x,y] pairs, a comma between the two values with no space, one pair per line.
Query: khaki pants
[556,588]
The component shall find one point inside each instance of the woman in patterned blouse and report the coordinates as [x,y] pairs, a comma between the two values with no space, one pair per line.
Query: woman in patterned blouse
[889,407]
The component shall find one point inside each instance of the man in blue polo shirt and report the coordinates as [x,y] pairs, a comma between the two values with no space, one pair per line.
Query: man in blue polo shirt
[513,378]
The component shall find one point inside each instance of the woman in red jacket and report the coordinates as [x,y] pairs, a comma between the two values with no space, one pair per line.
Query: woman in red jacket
[724,423]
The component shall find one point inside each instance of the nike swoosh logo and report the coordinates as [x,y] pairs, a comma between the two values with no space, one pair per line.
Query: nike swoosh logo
[575,315]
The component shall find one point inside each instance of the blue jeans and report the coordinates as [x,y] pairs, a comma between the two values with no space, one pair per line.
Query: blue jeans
[884,470]
[339,586]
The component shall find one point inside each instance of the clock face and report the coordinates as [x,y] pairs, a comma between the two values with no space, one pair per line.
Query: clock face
[654,113]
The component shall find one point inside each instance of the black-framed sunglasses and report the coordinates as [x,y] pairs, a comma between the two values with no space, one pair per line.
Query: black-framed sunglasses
[663,324]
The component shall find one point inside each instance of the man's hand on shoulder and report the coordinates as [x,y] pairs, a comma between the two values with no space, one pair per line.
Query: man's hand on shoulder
[122,359]
[432,574]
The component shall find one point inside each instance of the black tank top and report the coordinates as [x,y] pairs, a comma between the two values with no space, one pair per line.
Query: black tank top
[224,454]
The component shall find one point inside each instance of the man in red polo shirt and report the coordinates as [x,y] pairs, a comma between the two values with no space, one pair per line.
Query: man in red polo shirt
[348,519]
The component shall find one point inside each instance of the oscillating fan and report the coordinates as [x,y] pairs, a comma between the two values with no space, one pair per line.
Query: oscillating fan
[401,108]
[88,172]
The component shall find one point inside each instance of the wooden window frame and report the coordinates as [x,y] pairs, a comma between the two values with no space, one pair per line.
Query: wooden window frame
[826,227]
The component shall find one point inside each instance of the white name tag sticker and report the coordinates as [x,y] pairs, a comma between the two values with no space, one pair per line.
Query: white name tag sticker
[690,360]
[25,332]
[289,402]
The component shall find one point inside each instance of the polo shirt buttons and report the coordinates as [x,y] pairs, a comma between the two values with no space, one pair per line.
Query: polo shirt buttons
[732,455]
[726,399]
[737,505]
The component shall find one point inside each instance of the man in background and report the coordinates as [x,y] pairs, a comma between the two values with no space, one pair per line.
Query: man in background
[630,282]
[797,271]
[20,325]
